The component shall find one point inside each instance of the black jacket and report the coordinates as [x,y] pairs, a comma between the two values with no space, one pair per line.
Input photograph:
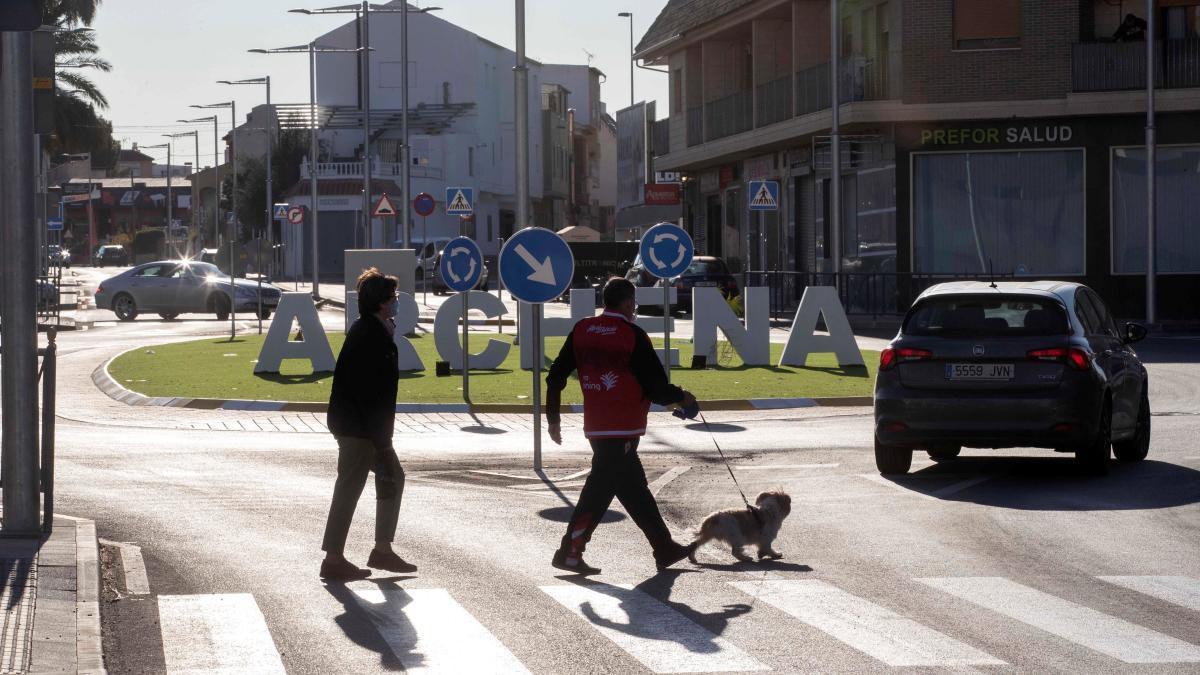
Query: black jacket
[363,401]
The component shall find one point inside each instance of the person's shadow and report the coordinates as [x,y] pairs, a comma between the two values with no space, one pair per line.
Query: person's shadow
[374,619]
[652,591]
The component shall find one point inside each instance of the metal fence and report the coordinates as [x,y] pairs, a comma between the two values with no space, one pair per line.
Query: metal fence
[730,115]
[1114,66]
[662,137]
[812,89]
[695,126]
[775,101]
[874,294]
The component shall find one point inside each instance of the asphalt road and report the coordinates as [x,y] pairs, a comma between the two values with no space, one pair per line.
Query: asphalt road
[996,561]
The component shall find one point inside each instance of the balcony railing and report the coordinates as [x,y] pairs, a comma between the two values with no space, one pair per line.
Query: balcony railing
[378,170]
[695,126]
[812,89]
[662,136]
[1115,66]
[775,101]
[730,115]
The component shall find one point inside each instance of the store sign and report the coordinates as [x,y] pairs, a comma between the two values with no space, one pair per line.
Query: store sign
[1030,134]
[662,195]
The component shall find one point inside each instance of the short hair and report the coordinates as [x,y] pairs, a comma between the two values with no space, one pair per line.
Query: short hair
[617,291]
[375,289]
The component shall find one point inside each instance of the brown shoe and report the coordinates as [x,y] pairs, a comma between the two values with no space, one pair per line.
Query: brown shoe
[342,571]
[390,562]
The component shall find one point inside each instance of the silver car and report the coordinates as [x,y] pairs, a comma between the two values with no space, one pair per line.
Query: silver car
[174,287]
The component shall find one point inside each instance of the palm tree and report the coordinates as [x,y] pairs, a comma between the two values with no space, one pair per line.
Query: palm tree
[75,47]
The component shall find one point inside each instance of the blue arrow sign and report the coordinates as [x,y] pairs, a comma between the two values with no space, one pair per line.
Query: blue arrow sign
[281,211]
[460,201]
[536,265]
[666,250]
[764,195]
[54,224]
[462,264]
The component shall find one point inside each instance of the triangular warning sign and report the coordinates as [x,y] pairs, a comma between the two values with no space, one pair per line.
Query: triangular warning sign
[459,203]
[384,207]
[764,198]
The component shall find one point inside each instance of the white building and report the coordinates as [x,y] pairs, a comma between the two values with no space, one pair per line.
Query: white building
[461,129]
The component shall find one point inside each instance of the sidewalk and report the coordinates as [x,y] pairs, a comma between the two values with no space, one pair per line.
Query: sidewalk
[51,601]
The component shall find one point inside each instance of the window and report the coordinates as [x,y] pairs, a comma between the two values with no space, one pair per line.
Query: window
[987,24]
[677,91]
[1016,213]
[1178,197]
[471,161]
[991,316]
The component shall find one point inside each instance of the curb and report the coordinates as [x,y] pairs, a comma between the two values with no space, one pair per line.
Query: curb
[115,390]
[89,647]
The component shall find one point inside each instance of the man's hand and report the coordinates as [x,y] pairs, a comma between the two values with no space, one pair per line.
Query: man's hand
[689,399]
[688,407]
[555,432]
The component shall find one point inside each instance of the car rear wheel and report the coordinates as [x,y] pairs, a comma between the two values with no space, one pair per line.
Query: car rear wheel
[1093,458]
[124,307]
[1136,448]
[944,453]
[169,316]
[265,313]
[891,459]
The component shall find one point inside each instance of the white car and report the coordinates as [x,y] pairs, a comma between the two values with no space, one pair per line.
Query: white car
[174,287]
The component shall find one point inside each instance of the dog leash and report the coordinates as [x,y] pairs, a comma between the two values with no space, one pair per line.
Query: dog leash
[751,509]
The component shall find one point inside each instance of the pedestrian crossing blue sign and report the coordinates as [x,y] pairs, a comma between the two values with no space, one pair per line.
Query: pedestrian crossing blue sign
[764,195]
[460,201]
[281,211]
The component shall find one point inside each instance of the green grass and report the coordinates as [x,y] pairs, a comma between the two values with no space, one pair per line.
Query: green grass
[220,369]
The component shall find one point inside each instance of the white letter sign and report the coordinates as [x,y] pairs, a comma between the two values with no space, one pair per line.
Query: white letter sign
[821,301]
[314,348]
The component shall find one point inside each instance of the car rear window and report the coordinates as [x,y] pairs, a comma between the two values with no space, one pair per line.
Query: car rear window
[998,316]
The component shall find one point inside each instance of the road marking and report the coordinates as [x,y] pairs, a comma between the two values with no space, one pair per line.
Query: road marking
[134,566]
[772,467]
[1182,591]
[870,628]
[1082,625]
[665,479]
[216,634]
[659,637]
[431,633]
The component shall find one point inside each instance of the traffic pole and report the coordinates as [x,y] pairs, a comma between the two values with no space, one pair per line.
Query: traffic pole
[667,327]
[466,362]
[537,386]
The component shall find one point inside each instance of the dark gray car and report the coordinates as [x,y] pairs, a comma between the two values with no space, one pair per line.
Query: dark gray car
[1038,364]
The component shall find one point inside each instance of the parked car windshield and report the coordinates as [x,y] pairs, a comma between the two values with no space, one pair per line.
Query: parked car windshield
[990,316]
[701,267]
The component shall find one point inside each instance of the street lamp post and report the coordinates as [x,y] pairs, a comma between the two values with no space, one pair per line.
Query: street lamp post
[232,105]
[629,15]
[216,171]
[270,197]
[1151,159]
[170,213]
[195,168]
[312,49]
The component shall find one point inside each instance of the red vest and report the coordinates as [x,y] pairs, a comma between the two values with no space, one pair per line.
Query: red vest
[613,403]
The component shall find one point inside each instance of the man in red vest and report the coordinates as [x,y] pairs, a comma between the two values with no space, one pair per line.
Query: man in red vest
[620,375]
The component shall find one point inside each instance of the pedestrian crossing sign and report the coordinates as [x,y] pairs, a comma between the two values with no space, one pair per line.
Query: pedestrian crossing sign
[281,211]
[460,201]
[764,195]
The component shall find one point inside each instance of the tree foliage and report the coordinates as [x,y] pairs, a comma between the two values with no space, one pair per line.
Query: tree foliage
[289,149]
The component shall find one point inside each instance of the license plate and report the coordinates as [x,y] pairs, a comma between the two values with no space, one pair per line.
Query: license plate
[979,371]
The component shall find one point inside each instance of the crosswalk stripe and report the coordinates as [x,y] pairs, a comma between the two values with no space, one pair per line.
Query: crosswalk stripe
[216,634]
[431,633]
[872,629]
[658,636]
[1082,625]
[1182,591]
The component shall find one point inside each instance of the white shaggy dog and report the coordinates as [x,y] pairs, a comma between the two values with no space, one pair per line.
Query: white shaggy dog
[741,527]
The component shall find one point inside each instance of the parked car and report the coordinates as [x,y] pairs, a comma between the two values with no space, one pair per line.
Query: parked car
[427,253]
[704,271]
[1015,364]
[57,256]
[110,254]
[439,285]
[174,287]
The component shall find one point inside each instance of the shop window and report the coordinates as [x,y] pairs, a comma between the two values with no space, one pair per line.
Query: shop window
[868,220]
[1018,213]
[1177,176]
[987,24]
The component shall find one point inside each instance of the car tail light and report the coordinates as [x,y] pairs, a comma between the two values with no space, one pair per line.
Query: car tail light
[890,356]
[100,288]
[1079,359]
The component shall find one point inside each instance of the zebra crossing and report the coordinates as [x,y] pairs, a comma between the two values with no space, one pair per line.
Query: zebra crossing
[430,630]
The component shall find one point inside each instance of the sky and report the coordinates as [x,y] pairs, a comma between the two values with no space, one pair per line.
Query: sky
[168,54]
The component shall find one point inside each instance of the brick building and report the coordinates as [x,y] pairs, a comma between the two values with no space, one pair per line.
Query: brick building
[977,135]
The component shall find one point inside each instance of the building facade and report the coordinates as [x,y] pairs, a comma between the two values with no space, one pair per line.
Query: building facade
[1000,137]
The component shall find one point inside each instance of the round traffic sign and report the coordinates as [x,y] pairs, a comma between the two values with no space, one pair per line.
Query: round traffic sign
[536,265]
[462,264]
[666,250]
[424,204]
[295,215]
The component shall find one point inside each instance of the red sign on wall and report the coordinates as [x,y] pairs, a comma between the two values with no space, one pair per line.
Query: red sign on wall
[662,194]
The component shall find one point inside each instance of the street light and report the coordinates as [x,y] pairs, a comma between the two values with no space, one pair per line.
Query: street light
[216,171]
[169,204]
[232,105]
[312,49]
[363,13]
[195,168]
[629,15]
[270,197]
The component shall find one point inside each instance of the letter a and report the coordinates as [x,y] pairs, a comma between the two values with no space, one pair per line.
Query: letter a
[314,348]
[821,301]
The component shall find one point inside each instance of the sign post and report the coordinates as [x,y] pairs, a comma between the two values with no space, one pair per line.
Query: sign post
[461,266]
[666,251]
[536,266]
[424,204]
[295,216]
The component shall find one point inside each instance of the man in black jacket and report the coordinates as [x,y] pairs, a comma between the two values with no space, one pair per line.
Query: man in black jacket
[362,416]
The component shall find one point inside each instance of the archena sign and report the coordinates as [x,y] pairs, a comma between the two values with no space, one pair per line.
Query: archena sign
[749,338]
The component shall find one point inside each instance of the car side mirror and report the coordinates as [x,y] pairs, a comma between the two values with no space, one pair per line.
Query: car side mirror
[1134,332]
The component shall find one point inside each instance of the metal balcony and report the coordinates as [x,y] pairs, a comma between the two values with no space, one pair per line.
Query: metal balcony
[378,170]
[1116,66]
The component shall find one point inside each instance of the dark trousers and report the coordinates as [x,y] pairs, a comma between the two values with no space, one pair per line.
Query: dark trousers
[616,472]
[356,458]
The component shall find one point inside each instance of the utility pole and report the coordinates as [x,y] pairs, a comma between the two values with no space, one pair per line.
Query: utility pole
[19,450]
[1151,161]
[313,151]
[366,99]
[834,246]
[404,153]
